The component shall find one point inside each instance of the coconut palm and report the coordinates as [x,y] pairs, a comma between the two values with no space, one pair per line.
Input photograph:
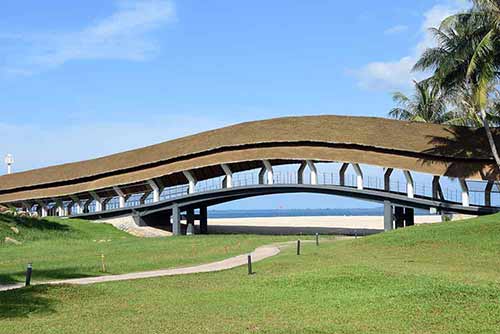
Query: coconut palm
[426,105]
[468,57]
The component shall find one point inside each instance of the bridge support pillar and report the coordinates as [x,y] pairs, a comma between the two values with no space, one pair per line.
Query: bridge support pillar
[191,181]
[228,180]
[359,176]
[156,190]
[313,170]
[437,192]
[42,207]
[404,217]
[300,173]
[61,208]
[75,202]
[410,186]
[203,220]
[190,221]
[98,201]
[388,216]
[121,197]
[342,171]
[487,193]
[142,199]
[86,205]
[465,192]
[269,171]
[387,179]
[176,220]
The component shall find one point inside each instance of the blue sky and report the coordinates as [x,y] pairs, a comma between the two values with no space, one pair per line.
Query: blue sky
[88,78]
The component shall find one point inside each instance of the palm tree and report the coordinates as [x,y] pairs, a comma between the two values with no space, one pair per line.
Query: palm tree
[467,58]
[426,105]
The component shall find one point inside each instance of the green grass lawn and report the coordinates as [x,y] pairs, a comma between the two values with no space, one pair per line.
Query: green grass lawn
[442,278]
[62,249]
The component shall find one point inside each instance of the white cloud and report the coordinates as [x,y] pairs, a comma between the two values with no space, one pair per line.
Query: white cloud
[397,74]
[396,29]
[125,35]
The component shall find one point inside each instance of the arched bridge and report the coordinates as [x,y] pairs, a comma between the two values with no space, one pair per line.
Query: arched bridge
[244,160]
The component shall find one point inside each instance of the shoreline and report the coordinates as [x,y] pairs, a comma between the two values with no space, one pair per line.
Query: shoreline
[349,225]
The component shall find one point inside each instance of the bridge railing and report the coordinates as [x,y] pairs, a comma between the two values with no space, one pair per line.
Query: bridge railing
[251,178]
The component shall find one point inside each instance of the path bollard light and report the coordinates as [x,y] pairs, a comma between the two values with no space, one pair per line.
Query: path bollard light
[29,270]
[298,247]
[103,263]
[250,272]
[317,239]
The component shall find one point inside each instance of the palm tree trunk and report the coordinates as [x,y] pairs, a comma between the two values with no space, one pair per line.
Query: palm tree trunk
[491,140]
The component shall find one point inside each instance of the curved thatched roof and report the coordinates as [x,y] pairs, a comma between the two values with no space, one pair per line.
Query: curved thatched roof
[429,148]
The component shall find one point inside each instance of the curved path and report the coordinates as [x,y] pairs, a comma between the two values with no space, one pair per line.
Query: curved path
[258,254]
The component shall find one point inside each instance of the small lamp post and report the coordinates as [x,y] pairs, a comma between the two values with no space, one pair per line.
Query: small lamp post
[9,160]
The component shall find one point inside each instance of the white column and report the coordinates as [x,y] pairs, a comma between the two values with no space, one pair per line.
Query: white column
[98,201]
[465,192]
[156,190]
[387,179]
[359,176]
[262,174]
[142,200]
[300,172]
[410,186]
[77,205]
[192,181]
[313,170]
[121,196]
[43,208]
[229,175]
[61,208]
[342,171]
[269,171]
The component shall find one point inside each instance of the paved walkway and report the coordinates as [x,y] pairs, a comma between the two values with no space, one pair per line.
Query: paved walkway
[259,254]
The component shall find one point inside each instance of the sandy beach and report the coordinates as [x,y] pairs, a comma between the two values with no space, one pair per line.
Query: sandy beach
[305,225]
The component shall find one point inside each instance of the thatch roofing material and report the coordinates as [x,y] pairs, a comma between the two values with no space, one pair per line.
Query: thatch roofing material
[434,149]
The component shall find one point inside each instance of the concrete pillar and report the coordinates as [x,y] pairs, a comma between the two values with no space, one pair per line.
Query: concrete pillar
[388,216]
[143,198]
[387,179]
[156,190]
[313,170]
[342,171]
[228,183]
[262,175]
[437,192]
[44,212]
[190,221]
[86,205]
[465,192]
[98,201]
[410,186]
[487,193]
[27,206]
[77,204]
[300,172]
[409,217]
[176,220]
[105,202]
[269,171]
[399,217]
[359,176]
[122,199]
[191,180]
[61,208]
[203,220]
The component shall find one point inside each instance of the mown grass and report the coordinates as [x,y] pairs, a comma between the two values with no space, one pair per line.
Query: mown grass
[442,278]
[62,249]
